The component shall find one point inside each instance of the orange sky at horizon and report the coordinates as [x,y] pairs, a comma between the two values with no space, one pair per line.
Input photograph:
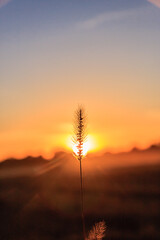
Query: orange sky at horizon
[119,131]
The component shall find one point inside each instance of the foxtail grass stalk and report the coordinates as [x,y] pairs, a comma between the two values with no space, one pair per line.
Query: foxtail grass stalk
[78,139]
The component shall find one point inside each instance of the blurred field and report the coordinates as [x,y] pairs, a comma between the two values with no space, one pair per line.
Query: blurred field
[39,199]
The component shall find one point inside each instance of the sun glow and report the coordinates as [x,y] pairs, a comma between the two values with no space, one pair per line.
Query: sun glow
[88,146]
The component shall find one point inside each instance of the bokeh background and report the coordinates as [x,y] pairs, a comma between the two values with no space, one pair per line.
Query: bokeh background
[55,55]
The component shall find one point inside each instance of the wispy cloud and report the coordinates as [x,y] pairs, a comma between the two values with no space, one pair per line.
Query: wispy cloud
[155,2]
[3,2]
[106,17]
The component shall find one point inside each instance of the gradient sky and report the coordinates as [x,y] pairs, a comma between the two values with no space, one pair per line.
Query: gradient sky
[56,54]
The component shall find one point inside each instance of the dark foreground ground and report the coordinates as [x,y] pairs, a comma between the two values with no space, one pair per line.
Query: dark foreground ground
[39,200]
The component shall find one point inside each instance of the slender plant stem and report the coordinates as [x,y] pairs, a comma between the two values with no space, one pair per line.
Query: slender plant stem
[82,210]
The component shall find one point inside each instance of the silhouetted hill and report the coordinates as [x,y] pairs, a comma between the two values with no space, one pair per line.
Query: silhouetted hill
[28,161]
[136,156]
[154,147]
[92,164]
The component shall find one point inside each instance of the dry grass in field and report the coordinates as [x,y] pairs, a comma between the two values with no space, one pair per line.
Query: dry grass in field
[97,232]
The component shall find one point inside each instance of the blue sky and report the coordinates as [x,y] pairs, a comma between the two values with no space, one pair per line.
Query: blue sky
[56,54]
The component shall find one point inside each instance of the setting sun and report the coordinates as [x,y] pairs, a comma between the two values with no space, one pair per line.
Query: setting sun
[88,146]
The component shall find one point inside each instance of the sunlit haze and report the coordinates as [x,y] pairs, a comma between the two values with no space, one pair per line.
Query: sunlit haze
[57,54]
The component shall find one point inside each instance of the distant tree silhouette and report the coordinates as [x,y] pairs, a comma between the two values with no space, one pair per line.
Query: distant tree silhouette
[79,138]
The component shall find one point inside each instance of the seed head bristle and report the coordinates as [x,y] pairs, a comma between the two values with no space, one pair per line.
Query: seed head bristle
[97,232]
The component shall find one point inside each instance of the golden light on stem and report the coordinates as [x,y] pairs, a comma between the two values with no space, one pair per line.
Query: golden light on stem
[87,146]
[91,144]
